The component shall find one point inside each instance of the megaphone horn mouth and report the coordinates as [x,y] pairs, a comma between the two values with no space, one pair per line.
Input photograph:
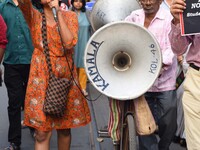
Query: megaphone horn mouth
[121,61]
[114,67]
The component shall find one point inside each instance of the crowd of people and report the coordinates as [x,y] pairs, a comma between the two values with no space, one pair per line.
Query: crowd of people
[174,107]
[161,97]
[26,84]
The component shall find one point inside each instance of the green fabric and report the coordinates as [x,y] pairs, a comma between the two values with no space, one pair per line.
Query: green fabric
[83,37]
[19,48]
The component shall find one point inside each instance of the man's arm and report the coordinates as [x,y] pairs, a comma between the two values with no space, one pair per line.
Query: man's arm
[179,43]
[2,50]
[1,57]
[177,7]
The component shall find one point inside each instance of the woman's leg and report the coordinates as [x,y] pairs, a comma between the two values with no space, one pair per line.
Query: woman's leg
[64,139]
[42,140]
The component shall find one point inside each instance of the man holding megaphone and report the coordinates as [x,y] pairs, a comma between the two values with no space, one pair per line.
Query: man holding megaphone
[161,97]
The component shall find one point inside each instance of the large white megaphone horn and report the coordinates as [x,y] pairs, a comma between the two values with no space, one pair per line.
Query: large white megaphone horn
[107,11]
[122,60]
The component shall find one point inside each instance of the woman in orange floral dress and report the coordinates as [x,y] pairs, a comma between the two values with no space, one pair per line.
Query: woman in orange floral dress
[77,112]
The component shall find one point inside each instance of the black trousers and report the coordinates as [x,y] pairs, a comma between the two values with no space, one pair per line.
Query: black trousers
[16,79]
[163,107]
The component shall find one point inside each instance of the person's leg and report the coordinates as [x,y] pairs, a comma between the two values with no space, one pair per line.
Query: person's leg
[167,112]
[42,140]
[191,103]
[180,117]
[183,140]
[163,108]
[149,142]
[24,70]
[15,88]
[64,139]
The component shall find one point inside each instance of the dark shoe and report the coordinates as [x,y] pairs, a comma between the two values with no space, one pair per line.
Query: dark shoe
[183,142]
[12,146]
[176,139]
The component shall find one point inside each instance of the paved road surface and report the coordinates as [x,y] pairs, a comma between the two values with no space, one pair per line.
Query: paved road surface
[84,138]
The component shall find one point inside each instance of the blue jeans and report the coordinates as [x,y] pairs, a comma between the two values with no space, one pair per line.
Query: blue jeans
[163,107]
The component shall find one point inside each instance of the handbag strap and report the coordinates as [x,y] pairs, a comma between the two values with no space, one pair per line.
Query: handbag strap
[46,49]
[45,44]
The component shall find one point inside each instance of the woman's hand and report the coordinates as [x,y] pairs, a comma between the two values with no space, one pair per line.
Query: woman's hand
[53,3]
[177,7]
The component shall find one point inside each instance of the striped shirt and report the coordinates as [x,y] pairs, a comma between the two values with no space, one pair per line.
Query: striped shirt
[160,27]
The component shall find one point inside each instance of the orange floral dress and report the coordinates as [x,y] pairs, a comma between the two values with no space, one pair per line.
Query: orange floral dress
[77,112]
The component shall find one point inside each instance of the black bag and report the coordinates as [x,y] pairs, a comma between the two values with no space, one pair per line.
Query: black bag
[58,88]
